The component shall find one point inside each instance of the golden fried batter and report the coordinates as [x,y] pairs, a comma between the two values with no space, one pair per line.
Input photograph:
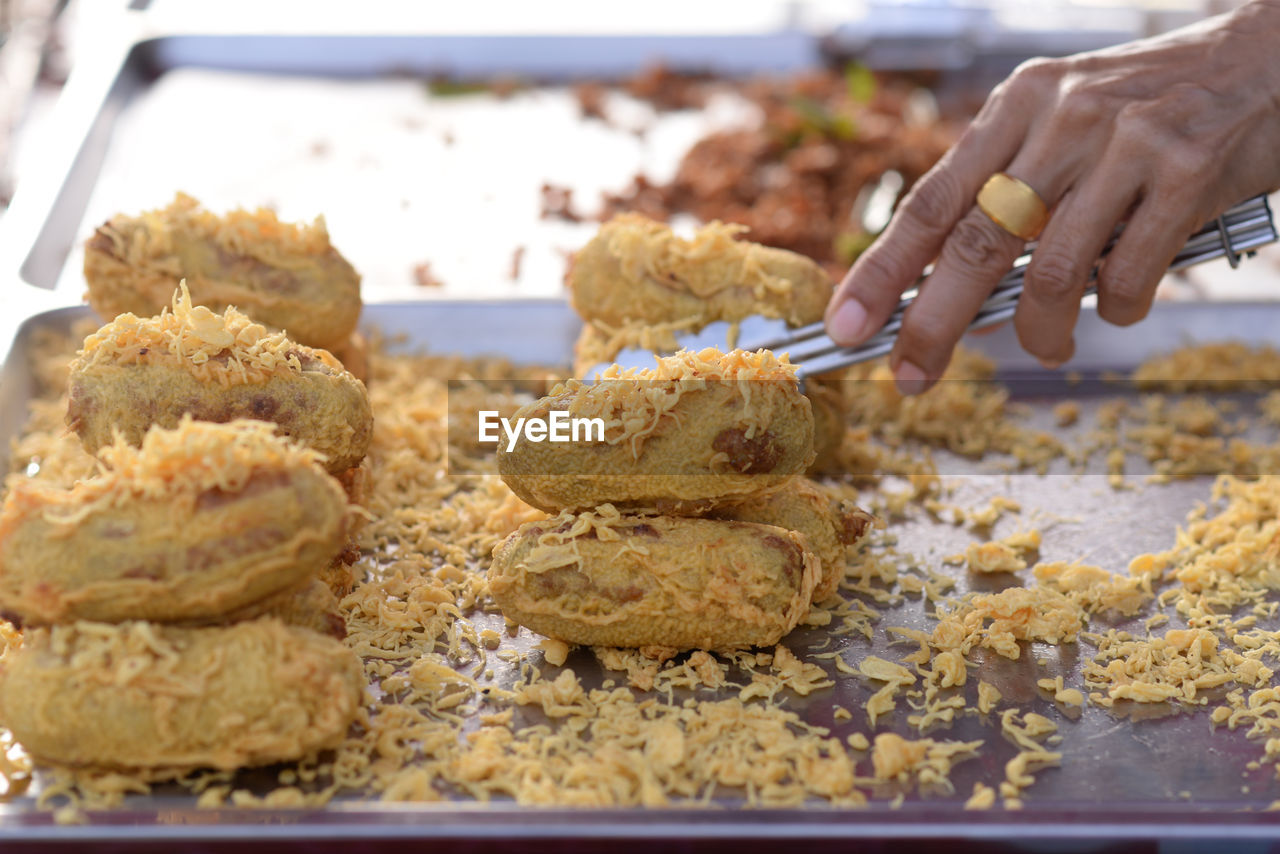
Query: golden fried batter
[312,606]
[826,392]
[356,481]
[698,429]
[285,275]
[638,286]
[198,522]
[138,695]
[827,395]
[340,576]
[594,346]
[635,270]
[354,356]
[136,372]
[804,507]
[602,578]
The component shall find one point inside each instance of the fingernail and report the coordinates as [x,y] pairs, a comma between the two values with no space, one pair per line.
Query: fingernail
[1054,364]
[846,324]
[910,379]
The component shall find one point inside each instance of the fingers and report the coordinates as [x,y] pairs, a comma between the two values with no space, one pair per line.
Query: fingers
[1129,275]
[973,260]
[1059,270]
[979,253]
[974,257]
[870,291]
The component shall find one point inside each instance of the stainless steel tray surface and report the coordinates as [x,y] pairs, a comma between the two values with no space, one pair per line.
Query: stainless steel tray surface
[1119,780]
[1120,777]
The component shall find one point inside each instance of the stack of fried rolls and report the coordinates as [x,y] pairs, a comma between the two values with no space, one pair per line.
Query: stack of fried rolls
[179,609]
[159,602]
[187,360]
[688,525]
[637,283]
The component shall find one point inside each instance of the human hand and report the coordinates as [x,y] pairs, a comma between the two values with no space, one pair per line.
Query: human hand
[1161,134]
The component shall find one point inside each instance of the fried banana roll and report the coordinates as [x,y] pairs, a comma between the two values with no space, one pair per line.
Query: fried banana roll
[143,696]
[198,522]
[698,429]
[285,275]
[603,578]
[827,392]
[805,507]
[638,286]
[636,270]
[137,372]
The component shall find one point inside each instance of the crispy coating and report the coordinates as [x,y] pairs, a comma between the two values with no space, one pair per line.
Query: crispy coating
[699,429]
[637,286]
[285,275]
[636,270]
[826,395]
[595,346]
[311,606]
[354,356]
[153,539]
[805,507]
[340,576]
[826,392]
[143,696]
[356,482]
[136,372]
[602,578]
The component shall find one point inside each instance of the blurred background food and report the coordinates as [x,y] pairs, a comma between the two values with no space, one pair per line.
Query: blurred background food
[439,184]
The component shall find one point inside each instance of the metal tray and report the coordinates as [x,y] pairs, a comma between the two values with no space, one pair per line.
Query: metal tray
[1119,781]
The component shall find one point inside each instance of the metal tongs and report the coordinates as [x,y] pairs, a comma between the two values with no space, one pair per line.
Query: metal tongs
[1238,232]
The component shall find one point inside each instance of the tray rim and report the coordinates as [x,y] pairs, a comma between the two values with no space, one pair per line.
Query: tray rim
[354,817]
[510,821]
[84,107]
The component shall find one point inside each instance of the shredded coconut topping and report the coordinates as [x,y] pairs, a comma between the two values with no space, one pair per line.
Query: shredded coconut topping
[259,234]
[192,458]
[228,349]
[634,402]
[650,248]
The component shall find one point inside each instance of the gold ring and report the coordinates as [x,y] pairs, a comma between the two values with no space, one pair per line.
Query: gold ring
[1013,206]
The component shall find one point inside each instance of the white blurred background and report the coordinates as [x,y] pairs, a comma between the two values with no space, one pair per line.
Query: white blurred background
[440,197]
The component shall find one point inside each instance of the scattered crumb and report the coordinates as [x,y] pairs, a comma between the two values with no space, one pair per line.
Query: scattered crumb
[1061,694]
[985,517]
[424,278]
[983,798]
[988,696]
[993,557]
[927,762]
[554,652]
